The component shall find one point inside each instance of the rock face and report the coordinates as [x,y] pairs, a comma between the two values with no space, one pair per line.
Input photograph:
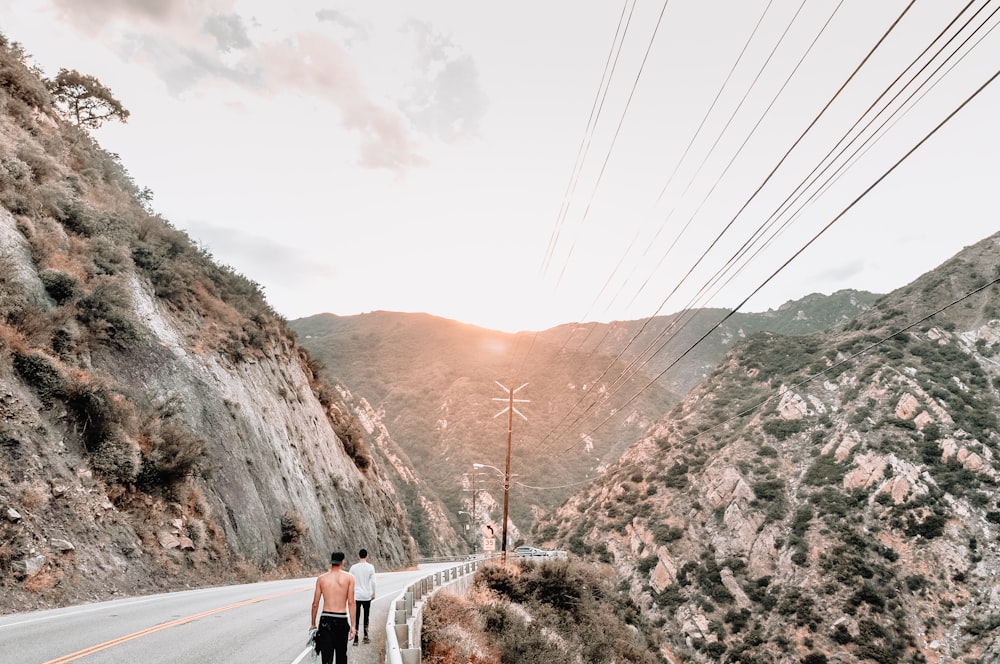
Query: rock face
[271,472]
[159,424]
[783,515]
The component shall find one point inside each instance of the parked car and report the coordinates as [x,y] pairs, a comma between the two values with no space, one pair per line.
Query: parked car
[528,552]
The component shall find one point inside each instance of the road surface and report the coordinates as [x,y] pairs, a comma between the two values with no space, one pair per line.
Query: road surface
[255,623]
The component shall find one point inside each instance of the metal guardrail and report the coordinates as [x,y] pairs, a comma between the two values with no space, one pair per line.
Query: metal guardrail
[403,626]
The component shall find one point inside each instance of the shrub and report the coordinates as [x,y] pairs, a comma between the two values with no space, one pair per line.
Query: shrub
[519,641]
[38,372]
[825,470]
[349,433]
[17,78]
[664,534]
[116,458]
[103,418]
[931,526]
[500,580]
[646,564]
[77,217]
[60,286]
[782,429]
[176,453]
[452,632]
[107,313]
[293,530]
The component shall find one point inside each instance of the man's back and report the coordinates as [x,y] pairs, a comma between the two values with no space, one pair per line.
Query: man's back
[364,577]
[336,587]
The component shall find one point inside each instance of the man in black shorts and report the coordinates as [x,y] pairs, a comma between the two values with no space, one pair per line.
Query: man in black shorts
[336,587]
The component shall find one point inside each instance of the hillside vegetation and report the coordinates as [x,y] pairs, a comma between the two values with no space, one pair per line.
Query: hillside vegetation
[433,383]
[552,612]
[826,498]
[157,415]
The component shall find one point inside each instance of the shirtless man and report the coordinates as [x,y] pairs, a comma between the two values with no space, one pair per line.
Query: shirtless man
[336,587]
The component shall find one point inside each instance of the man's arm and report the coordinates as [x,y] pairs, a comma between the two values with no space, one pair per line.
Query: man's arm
[373,584]
[352,607]
[315,606]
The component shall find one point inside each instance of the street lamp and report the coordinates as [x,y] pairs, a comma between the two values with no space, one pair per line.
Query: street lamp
[506,492]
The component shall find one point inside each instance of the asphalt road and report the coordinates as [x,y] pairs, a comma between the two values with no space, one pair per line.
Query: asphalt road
[261,623]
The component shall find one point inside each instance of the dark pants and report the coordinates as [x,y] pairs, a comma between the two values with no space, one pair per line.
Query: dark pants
[331,639]
[365,604]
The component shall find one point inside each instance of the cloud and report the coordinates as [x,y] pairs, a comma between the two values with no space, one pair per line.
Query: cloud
[228,30]
[182,67]
[199,45]
[353,29]
[447,101]
[94,16]
[842,273]
[262,257]
[317,66]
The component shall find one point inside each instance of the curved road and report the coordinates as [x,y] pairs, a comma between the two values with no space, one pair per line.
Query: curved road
[257,623]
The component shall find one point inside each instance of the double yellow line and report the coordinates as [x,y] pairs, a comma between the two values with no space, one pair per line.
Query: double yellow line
[72,657]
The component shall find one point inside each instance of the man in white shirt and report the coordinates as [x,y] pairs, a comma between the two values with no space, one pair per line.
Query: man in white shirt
[364,592]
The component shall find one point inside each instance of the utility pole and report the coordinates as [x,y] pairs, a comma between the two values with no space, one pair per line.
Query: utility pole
[510,410]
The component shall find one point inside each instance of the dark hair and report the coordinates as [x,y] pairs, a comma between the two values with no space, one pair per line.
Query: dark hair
[337,558]
[363,553]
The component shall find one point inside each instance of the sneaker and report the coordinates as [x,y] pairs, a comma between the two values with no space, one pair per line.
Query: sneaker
[367,640]
[355,642]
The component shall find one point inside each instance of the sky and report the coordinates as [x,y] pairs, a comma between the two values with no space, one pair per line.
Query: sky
[519,165]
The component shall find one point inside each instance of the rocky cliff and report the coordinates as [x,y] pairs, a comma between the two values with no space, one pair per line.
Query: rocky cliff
[823,498]
[159,424]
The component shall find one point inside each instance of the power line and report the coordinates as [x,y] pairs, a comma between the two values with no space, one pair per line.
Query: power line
[595,112]
[614,139]
[638,359]
[760,187]
[805,381]
[810,242]
[806,183]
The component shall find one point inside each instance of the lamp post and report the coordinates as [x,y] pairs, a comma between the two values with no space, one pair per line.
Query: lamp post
[506,489]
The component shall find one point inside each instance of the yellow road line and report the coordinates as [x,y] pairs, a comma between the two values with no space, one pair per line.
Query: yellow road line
[72,657]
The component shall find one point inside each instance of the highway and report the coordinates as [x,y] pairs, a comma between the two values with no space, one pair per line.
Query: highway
[255,623]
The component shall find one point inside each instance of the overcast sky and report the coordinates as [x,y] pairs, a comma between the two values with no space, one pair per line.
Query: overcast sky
[415,156]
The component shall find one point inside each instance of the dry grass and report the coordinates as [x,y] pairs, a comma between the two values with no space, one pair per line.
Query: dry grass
[35,495]
[453,632]
[47,579]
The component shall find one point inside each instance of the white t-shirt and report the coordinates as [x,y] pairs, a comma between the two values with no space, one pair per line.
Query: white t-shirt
[364,580]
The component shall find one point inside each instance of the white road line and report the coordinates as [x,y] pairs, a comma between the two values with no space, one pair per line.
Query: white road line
[302,656]
[72,611]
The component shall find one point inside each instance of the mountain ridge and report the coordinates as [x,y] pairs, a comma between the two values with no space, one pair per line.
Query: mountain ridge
[436,382]
[833,493]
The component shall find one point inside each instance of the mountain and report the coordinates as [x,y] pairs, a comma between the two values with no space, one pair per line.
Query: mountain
[829,497]
[160,426]
[435,383]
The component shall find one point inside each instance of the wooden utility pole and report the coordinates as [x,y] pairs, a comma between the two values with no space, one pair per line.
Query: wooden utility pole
[510,410]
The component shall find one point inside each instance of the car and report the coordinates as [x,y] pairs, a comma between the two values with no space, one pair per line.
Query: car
[528,552]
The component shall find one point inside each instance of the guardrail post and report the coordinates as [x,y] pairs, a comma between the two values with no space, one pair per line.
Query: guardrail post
[402,634]
[400,612]
[410,655]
